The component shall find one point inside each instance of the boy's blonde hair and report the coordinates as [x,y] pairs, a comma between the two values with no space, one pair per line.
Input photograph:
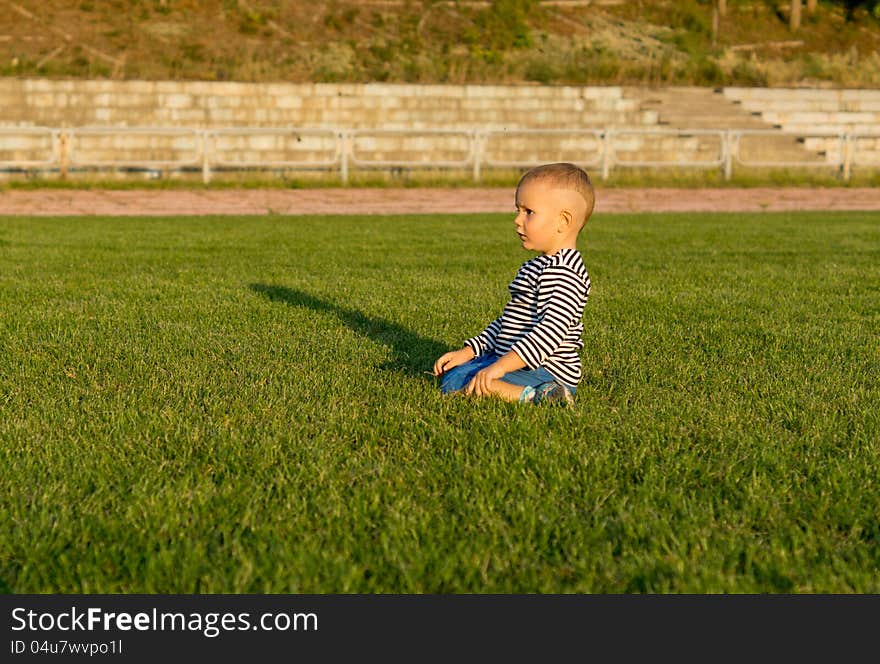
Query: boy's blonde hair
[565,176]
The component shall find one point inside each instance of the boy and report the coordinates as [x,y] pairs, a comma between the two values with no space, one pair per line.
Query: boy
[530,353]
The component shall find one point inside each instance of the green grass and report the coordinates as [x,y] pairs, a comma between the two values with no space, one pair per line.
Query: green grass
[240,405]
[620,177]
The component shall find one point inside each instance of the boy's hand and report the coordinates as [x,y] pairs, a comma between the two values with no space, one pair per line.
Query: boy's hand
[453,359]
[485,380]
[481,384]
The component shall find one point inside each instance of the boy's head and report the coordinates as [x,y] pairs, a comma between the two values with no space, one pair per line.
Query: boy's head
[566,177]
[553,202]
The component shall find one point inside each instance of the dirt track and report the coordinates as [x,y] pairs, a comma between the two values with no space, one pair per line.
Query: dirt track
[424,200]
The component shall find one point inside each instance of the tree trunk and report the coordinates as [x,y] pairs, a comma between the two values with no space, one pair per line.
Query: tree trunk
[811,6]
[715,23]
[795,16]
[722,7]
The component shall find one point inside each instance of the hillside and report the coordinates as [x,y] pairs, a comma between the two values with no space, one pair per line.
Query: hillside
[431,41]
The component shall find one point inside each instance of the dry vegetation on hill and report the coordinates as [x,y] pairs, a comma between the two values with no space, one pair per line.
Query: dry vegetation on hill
[506,41]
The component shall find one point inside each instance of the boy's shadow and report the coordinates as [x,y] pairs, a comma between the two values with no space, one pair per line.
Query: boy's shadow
[412,354]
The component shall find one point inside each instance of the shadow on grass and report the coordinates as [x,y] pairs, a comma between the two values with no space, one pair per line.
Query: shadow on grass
[412,354]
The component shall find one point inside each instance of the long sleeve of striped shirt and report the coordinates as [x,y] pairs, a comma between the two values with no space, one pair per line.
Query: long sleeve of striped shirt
[542,321]
[485,340]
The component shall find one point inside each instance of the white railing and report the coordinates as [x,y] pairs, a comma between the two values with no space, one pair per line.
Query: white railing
[341,150]
[86,147]
[214,138]
[44,155]
[716,160]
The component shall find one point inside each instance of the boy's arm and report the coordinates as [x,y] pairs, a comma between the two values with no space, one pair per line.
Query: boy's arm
[485,340]
[453,359]
[481,383]
[478,345]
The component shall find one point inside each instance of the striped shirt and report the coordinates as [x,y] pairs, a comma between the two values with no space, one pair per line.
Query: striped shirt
[542,320]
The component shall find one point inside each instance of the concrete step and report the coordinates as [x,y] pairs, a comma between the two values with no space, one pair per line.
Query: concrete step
[821,118]
[799,94]
[810,105]
[690,107]
[830,128]
[704,108]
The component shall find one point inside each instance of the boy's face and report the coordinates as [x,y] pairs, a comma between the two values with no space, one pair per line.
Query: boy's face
[540,223]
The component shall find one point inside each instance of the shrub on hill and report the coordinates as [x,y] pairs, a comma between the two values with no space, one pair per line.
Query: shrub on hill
[639,42]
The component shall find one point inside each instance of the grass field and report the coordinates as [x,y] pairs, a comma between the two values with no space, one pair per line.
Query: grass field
[240,405]
[622,177]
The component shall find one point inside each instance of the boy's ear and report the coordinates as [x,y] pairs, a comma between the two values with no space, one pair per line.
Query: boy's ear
[565,219]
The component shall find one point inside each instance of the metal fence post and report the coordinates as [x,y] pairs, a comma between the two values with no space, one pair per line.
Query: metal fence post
[606,152]
[477,150]
[847,141]
[728,154]
[63,154]
[206,157]
[344,138]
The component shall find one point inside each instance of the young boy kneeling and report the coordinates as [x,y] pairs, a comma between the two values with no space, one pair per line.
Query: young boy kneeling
[530,352]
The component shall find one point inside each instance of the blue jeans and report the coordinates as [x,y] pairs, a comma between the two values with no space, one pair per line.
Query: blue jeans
[457,378]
